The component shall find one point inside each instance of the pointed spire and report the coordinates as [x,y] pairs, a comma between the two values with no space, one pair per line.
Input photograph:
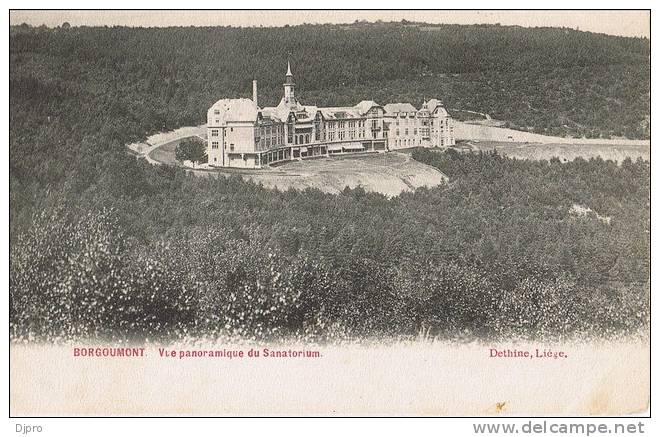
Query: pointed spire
[288,69]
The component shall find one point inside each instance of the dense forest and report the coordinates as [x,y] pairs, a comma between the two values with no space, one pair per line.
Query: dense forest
[106,246]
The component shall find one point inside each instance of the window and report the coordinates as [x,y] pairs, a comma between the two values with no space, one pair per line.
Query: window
[214,132]
[231,129]
[406,131]
[214,144]
[216,112]
[398,133]
[415,131]
[231,147]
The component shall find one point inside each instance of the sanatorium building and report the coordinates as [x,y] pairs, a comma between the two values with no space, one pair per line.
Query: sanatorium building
[240,134]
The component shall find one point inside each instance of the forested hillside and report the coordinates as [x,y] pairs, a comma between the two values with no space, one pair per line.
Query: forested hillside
[103,245]
[558,81]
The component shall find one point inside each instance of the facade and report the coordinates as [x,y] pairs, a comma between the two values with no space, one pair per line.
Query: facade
[240,134]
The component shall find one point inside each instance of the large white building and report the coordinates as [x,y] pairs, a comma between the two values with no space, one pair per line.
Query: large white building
[240,134]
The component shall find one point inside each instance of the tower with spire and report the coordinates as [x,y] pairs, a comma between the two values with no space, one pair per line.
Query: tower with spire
[289,87]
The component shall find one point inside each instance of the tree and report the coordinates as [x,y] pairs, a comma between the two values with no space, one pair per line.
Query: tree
[191,149]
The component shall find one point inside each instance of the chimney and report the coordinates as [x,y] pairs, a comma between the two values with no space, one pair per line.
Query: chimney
[254,92]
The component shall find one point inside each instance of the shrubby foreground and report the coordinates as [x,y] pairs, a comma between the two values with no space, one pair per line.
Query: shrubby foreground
[496,253]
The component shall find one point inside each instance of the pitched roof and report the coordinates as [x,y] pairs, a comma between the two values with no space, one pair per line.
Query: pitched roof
[340,112]
[393,108]
[365,105]
[436,106]
[433,103]
[233,110]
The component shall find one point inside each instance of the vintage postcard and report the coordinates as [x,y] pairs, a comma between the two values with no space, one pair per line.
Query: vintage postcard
[329,213]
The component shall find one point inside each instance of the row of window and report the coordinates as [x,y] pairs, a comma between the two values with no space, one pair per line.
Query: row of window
[414,141]
[217,121]
[270,141]
[304,139]
[216,144]
[406,132]
[424,121]
[341,124]
[266,131]
[408,142]
[330,125]
[270,129]
[422,132]
[216,132]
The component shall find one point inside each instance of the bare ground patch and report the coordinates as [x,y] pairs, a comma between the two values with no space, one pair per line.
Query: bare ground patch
[487,132]
[565,152]
[386,173]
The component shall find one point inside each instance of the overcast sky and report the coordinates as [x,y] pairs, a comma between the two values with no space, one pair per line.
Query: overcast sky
[626,23]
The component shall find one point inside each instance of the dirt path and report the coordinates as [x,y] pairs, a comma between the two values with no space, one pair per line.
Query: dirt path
[145,149]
